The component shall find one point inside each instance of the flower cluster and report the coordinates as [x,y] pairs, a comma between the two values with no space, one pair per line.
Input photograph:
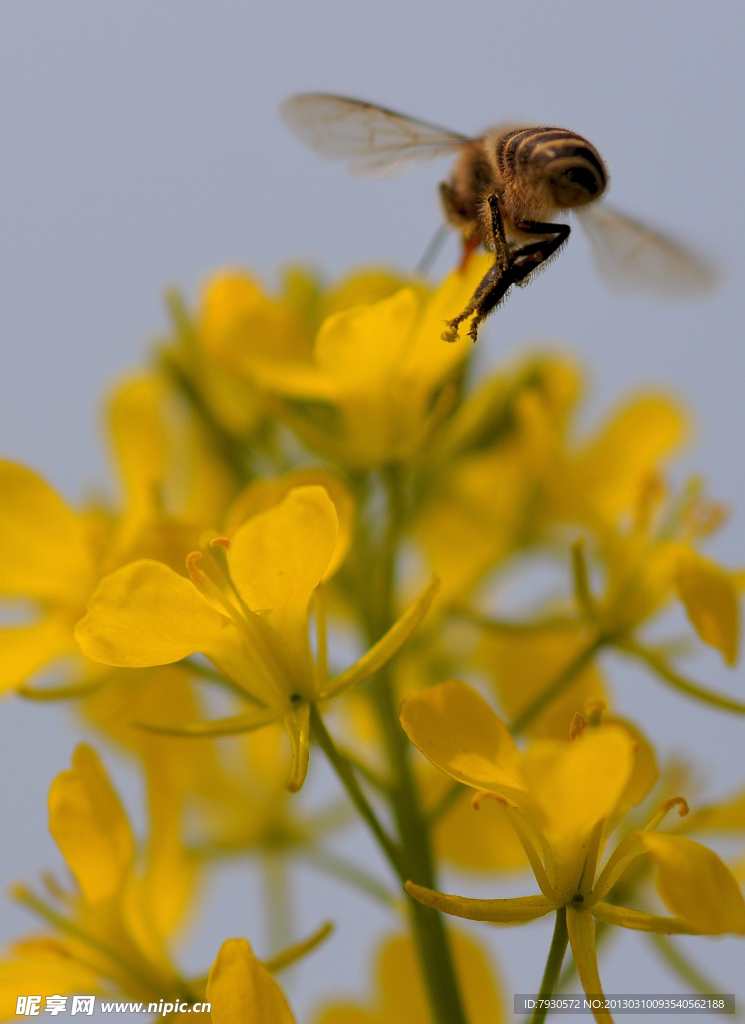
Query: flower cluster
[320,513]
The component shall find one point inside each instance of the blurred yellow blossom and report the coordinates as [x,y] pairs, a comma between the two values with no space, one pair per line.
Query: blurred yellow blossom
[564,800]
[400,997]
[104,939]
[173,489]
[241,989]
[372,393]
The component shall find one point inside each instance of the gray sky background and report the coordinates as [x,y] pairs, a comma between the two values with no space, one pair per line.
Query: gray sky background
[140,146]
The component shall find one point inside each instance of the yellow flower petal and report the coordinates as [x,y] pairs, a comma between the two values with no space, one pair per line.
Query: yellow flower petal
[241,989]
[611,468]
[427,359]
[360,346]
[238,322]
[137,437]
[45,544]
[509,911]
[711,601]
[279,556]
[26,649]
[90,827]
[478,838]
[457,730]
[577,784]
[41,966]
[362,288]
[729,815]
[537,659]
[401,997]
[264,494]
[645,772]
[146,614]
[696,885]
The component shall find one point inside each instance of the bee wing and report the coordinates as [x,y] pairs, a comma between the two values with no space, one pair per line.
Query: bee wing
[630,256]
[375,142]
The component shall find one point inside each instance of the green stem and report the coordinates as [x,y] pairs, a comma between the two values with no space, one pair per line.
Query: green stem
[347,778]
[682,965]
[430,936]
[278,904]
[511,626]
[557,687]
[369,774]
[553,965]
[678,682]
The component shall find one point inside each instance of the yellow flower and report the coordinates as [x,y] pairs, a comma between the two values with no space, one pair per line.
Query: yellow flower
[106,939]
[110,934]
[56,555]
[482,482]
[401,996]
[373,390]
[725,818]
[654,560]
[236,321]
[523,664]
[51,558]
[564,799]
[245,608]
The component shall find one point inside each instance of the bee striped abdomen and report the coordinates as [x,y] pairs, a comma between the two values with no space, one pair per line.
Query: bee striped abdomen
[565,167]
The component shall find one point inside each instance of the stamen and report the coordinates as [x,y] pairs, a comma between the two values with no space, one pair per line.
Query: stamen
[577,726]
[680,802]
[482,795]
[651,496]
[703,517]
[676,801]
[198,578]
[223,542]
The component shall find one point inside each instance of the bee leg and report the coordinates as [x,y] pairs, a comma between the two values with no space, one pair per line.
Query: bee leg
[502,255]
[528,258]
[493,285]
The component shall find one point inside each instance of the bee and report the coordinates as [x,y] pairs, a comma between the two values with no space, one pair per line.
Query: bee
[506,187]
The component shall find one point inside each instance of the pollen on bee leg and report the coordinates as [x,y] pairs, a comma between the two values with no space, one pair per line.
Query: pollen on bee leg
[676,801]
[451,334]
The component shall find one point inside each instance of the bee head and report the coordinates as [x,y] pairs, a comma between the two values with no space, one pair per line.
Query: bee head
[575,181]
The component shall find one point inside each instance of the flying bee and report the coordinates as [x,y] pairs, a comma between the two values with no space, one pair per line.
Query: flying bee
[506,187]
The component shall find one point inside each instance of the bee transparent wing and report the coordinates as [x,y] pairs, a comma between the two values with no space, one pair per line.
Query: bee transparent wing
[375,142]
[631,257]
